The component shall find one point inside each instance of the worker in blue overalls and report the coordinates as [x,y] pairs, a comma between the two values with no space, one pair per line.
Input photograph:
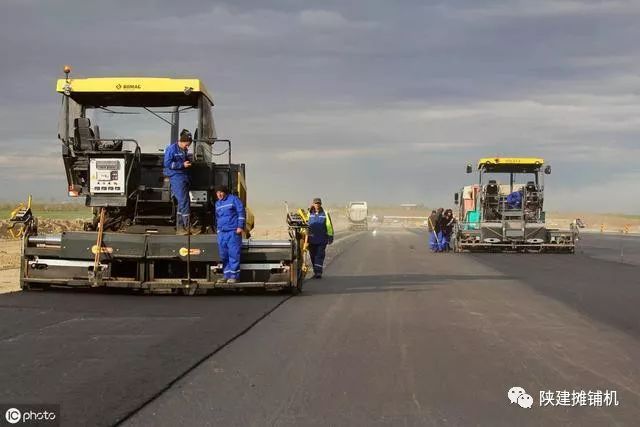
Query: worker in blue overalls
[514,200]
[177,164]
[230,222]
[320,235]
[435,230]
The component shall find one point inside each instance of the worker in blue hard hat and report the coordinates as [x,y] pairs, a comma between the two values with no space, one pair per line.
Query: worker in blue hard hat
[230,223]
[177,165]
[320,235]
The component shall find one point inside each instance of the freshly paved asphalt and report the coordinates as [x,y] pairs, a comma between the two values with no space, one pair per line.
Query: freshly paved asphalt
[392,335]
[624,249]
[102,356]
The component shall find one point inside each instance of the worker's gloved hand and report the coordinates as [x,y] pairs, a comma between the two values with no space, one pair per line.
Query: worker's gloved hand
[330,240]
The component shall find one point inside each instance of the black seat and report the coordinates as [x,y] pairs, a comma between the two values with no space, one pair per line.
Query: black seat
[492,187]
[83,133]
[532,197]
[109,145]
[531,187]
[491,200]
[492,191]
[531,191]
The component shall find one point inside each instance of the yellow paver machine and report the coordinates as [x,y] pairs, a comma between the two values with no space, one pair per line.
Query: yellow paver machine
[113,132]
[504,210]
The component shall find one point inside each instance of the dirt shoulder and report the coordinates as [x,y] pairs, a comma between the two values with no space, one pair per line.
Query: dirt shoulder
[609,223]
[9,263]
[9,280]
[9,254]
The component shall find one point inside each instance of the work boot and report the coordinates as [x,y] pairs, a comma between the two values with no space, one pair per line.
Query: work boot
[181,230]
[222,281]
[232,281]
[317,276]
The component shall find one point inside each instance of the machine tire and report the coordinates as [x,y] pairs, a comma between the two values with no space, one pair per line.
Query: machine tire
[297,271]
[300,276]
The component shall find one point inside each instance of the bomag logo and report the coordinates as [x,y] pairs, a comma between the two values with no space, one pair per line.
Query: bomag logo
[128,86]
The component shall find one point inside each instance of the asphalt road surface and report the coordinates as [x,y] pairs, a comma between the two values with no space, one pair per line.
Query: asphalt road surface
[611,247]
[392,335]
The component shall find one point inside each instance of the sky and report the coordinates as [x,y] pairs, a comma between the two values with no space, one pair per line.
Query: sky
[351,100]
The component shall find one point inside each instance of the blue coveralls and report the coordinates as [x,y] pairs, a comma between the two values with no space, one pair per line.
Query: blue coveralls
[444,243]
[514,200]
[320,234]
[174,158]
[435,233]
[435,240]
[230,215]
[445,236]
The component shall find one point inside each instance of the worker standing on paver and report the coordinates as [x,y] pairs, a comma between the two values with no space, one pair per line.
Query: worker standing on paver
[230,222]
[177,164]
[320,235]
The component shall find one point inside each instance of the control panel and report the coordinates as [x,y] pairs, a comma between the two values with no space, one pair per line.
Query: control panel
[106,176]
[198,196]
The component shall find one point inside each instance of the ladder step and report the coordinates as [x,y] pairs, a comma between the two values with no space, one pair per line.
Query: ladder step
[158,189]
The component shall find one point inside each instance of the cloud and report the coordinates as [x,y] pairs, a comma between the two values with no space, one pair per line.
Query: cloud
[373,92]
[330,21]
[322,19]
[331,154]
[617,190]
[547,8]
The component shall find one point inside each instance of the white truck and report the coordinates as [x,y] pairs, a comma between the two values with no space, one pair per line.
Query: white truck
[357,215]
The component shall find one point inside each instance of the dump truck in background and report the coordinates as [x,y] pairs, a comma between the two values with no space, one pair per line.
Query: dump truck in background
[357,215]
[131,241]
[504,211]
